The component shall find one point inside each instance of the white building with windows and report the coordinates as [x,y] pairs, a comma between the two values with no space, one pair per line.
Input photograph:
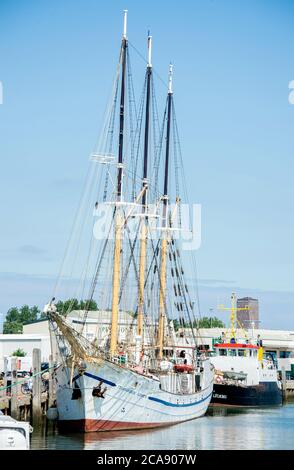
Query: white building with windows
[96,324]
[27,342]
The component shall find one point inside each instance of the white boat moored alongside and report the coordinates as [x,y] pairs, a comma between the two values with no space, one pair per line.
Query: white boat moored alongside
[14,435]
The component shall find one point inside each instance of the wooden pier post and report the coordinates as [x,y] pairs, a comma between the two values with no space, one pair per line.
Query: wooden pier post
[51,384]
[5,372]
[3,392]
[4,399]
[284,388]
[36,402]
[13,388]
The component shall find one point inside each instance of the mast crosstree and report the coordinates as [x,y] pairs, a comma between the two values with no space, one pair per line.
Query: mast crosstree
[233,309]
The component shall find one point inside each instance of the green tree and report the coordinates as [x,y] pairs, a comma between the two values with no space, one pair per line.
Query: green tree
[66,306]
[17,317]
[12,327]
[210,322]
[28,314]
[204,322]
[132,314]
[176,324]
[12,322]
[88,304]
[19,353]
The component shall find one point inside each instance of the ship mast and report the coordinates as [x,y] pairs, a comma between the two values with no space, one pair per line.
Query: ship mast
[143,236]
[162,292]
[233,309]
[118,218]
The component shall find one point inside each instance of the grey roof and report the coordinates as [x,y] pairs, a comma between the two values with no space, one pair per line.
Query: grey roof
[101,315]
[248,298]
[40,320]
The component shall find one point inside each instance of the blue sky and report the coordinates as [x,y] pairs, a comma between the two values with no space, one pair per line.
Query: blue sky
[233,62]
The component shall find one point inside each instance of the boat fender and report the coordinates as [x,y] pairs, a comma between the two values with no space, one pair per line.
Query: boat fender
[52,414]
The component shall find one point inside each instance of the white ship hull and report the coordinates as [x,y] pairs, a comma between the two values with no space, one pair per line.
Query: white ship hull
[132,400]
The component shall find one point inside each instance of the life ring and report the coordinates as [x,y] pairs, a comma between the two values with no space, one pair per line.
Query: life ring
[218,379]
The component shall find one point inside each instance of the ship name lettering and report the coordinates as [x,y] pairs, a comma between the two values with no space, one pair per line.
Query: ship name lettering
[216,395]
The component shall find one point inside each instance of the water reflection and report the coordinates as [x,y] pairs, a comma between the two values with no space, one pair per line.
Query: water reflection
[260,428]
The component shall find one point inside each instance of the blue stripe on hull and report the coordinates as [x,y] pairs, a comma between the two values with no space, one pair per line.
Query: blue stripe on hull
[107,382]
[167,403]
[96,377]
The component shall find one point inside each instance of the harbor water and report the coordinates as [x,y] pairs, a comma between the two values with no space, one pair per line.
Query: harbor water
[255,428]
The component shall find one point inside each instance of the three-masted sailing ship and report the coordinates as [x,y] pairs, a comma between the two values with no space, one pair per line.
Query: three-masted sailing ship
[134,373]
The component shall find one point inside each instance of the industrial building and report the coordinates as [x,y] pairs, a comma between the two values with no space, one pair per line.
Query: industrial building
[248,313]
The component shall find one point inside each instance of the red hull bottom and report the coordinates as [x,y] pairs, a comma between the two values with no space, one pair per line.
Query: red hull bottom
[93,425]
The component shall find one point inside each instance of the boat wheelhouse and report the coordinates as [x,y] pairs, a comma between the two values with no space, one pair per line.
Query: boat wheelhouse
[236,349]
